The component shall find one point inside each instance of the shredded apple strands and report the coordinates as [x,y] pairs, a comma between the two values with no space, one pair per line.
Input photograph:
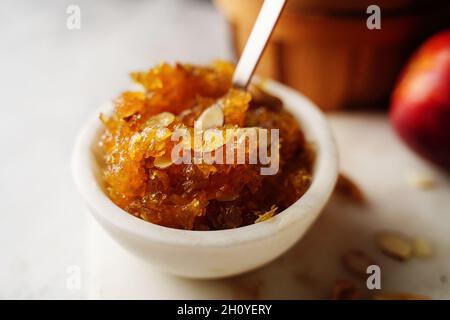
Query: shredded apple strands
[139,173]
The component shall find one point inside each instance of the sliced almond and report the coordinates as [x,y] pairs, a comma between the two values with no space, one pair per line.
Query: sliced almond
[210,118]
[213,139]
[162,119]
[344,289]
[267,215]
[162,133]
[356,262]
[422,248]
[163,161]
[399,296]
[395,245]
[349,189]
[208,141]
[420,181]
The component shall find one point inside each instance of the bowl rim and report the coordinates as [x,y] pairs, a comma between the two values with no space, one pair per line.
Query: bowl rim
[315,128]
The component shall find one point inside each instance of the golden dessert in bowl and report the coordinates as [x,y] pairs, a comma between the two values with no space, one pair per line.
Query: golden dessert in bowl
[138,142]
[187,168]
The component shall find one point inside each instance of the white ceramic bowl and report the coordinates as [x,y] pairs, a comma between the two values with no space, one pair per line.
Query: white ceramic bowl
[214,254]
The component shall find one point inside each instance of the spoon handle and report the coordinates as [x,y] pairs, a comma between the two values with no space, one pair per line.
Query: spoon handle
[257,41]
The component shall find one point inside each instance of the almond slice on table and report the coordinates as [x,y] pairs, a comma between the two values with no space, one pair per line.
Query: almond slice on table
[394,245]
[422,248]
[344,289]
[346,187]
[420,180]
[356,261]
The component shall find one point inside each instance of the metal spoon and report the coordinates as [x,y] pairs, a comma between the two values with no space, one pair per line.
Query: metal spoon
[257,41]
[264,25]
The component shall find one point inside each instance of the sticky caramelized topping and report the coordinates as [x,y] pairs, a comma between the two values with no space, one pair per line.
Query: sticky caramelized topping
[141,175]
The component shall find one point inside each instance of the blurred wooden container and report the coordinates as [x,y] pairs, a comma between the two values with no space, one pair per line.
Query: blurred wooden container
[324,49]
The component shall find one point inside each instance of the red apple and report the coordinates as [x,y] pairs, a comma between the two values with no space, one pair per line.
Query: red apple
[420,105]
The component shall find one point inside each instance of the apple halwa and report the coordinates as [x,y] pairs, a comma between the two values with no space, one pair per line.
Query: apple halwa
[140,177]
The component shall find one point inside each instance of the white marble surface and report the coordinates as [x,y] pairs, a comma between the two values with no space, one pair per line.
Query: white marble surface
[373,157]
[51,79]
